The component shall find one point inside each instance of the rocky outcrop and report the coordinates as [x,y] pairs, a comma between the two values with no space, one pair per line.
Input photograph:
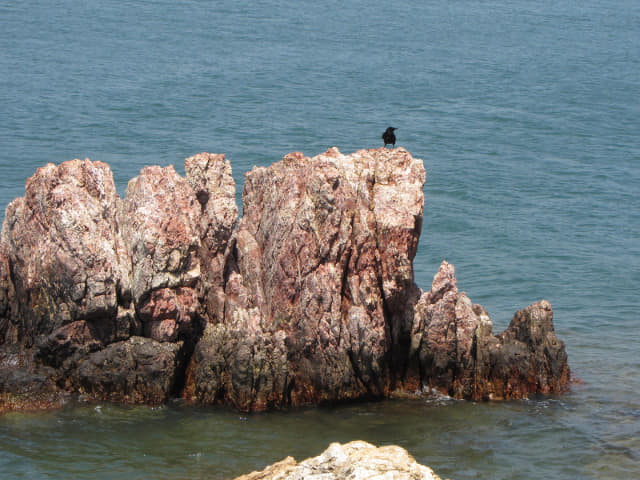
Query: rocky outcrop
[454,351]
[308,298]
[526,358]
[317,284]
[351,461]
[83,272]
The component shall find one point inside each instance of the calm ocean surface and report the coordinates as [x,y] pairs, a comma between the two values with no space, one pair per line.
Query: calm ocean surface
[527,115]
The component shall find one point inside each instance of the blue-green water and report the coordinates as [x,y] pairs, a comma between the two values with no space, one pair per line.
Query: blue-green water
[527,115]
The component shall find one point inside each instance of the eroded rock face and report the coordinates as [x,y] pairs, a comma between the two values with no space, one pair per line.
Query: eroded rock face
[526,358]
[8,319]
[454,351]
[64,254]
[210,178]
[23,385]
[442,337]
[309,299]
[318,283]
[351,461]
[137,370]
[81,271]
[159,222]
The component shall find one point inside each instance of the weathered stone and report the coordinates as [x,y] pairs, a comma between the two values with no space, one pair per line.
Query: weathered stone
[67,262]
[79,337]
[310,299]
[138,370]
[159,222]
[353,461]
[309,281]
[212,182]
[455,352]
[8,320]
[72,295]
[442,350]
[526,359]
[24,386]
[239,367]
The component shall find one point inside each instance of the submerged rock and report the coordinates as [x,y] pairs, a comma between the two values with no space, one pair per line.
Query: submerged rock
[309,298]
[352,461]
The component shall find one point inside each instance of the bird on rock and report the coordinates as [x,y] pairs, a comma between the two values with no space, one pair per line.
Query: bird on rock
[389,137]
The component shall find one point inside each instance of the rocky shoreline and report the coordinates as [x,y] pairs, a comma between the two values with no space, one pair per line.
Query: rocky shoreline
[308,298]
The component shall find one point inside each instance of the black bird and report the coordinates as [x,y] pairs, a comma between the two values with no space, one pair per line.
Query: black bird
[389,137]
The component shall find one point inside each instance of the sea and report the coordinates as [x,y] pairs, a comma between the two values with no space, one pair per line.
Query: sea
[527,117]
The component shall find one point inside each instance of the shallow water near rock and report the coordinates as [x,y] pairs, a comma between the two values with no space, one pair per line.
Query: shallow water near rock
[526,115]
[458,439]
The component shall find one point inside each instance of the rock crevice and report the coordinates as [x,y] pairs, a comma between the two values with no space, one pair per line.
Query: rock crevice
[308,298]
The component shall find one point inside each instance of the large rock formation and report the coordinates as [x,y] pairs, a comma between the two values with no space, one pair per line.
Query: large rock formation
[352,461]
[318,282]
[311,298]
[84,274]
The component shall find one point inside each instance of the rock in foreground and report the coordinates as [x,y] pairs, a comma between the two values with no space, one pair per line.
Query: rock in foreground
[308,298]
[352,461]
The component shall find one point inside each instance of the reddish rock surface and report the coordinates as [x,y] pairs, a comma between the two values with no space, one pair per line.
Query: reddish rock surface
[81,271]
[210,178]
[159,224]
[66,259]
[454,351]
[310,298]
[318,281]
